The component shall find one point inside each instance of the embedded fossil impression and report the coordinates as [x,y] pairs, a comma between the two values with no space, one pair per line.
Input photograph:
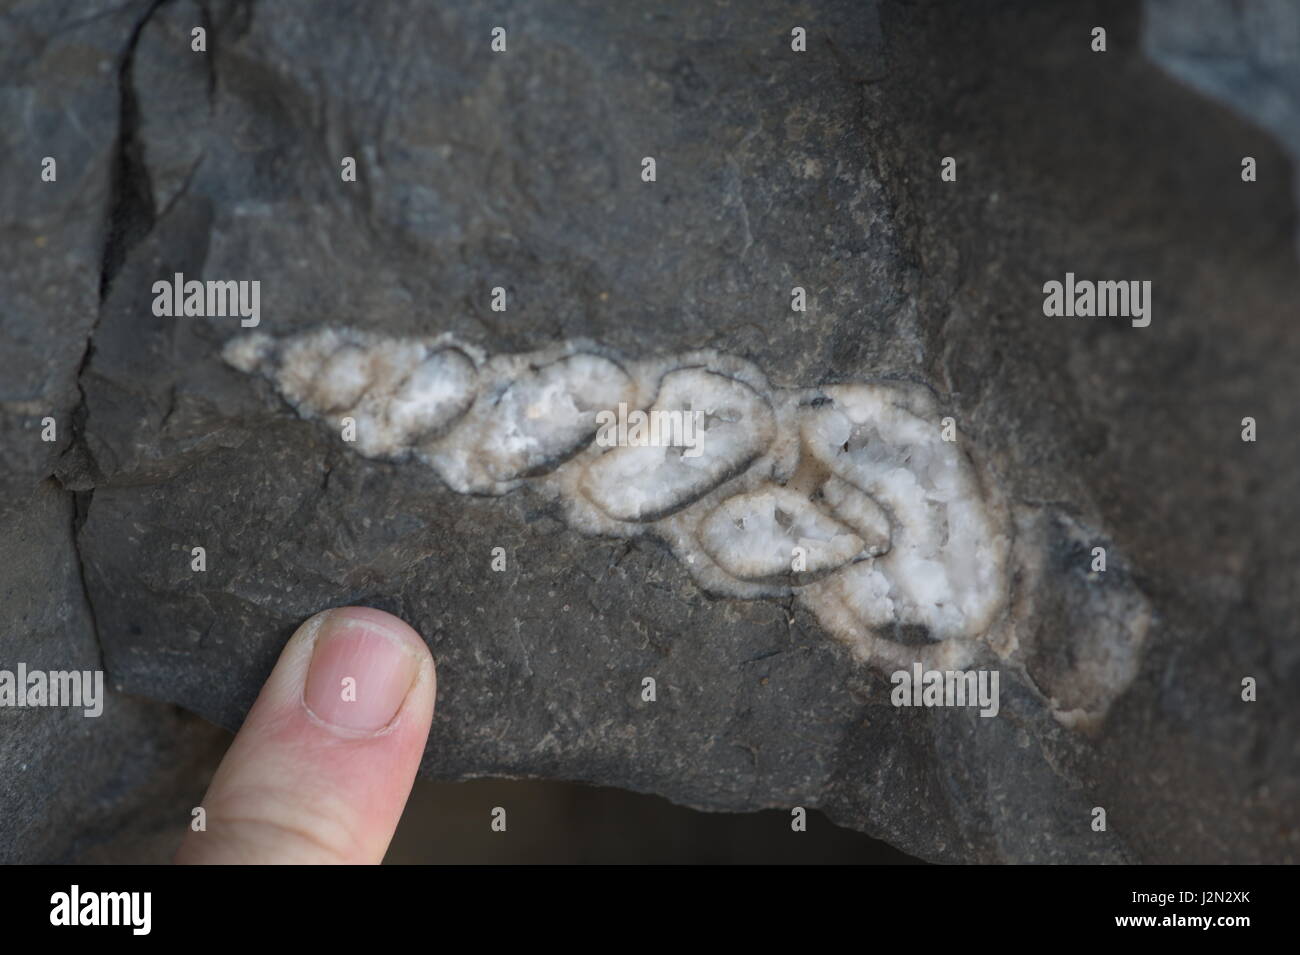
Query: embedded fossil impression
[850,498]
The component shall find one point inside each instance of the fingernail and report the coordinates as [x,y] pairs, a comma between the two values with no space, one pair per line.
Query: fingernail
[360,674]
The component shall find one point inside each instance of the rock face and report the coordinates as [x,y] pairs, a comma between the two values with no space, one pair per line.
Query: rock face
[60,101]
[1247,55]
[774,169]
[116,787]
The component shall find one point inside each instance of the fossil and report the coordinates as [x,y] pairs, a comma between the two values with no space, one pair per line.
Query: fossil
[849,498]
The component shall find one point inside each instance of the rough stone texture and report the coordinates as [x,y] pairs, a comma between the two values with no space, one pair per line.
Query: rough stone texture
[774,169]
[59,98]
[116,787]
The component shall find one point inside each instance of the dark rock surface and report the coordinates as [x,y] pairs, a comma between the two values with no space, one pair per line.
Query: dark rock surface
[119,786]
[775,169]
[1245,54]
[59,96]
[114,787]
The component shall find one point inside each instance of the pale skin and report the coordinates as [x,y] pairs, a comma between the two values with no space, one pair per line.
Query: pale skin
[323,765]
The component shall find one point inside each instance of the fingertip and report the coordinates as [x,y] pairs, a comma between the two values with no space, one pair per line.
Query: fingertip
[322,767]
[365,666]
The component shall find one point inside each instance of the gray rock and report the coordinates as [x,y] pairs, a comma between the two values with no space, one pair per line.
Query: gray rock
[775,169]
[59,96]
[116,787]
[1246,55]
[119,786]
